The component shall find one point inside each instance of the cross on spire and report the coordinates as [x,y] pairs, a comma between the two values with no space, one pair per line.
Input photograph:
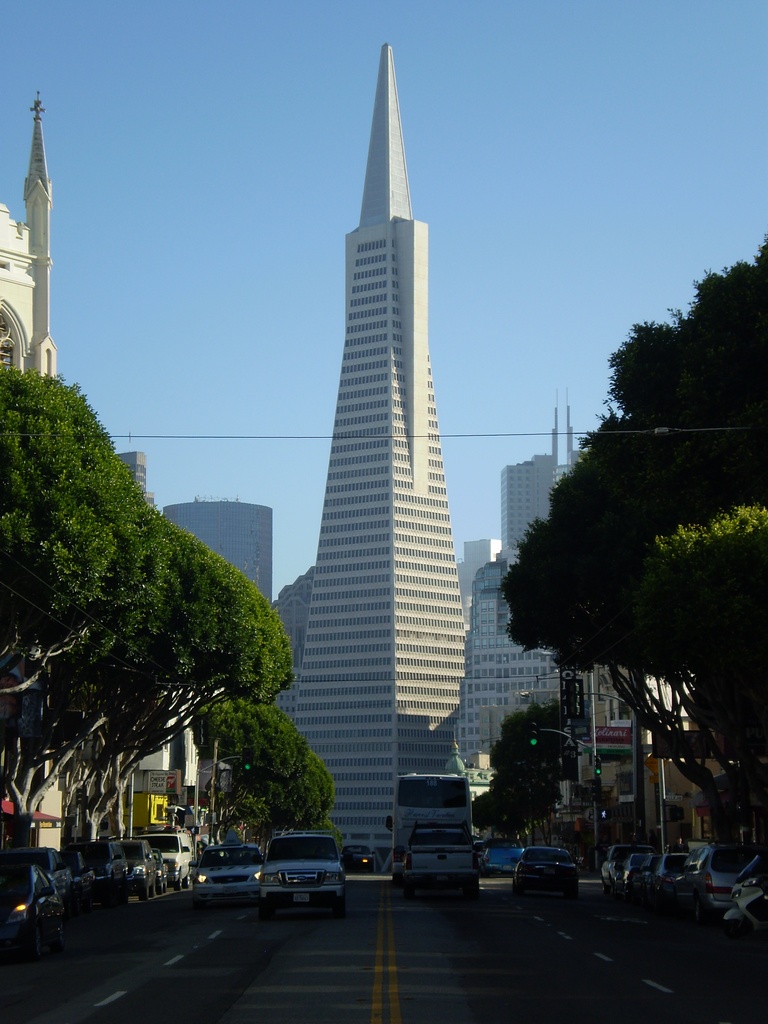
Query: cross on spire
[38,107]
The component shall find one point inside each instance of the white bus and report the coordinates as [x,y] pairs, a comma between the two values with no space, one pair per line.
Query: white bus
[426,799]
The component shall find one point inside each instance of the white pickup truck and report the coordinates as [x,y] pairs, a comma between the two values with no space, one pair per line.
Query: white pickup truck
[441,857]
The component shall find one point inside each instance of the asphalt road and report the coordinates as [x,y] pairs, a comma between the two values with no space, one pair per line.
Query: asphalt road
[438,959]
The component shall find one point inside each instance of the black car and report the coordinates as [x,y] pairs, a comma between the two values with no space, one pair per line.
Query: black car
[107,858]
[51,862]
[358,858]
[82,881]
[546,869]
[31,910]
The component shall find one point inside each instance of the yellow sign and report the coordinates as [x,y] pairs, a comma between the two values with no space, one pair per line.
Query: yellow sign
[652,764]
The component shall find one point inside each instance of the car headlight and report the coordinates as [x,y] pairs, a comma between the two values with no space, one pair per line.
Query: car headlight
[19,913]
[269,877]
[200,877]
[334,876]
[139,870]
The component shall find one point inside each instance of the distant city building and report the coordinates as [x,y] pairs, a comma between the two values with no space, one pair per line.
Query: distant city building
[236,530]
[500,677]
[137,464]
[25,269]
[292,605]
[476,554]
[383,657]
[526,487]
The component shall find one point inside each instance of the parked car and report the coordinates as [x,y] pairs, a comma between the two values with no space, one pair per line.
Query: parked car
[82,881]
[358,858]
[708,875]
[615,855]
[546,869]
[661,888]
[31,910]
[624,873]
[640,880]
[107,858]
[162,871]
[51,862]
[499,857]
[142,870]
[176,847]
[226,873]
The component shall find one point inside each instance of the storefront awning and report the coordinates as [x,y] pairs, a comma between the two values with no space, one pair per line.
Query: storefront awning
[36,816]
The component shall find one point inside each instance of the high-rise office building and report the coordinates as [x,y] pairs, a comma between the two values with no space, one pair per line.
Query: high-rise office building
[137,466]
[292,605]
[501,677]
[236,530]
[476,554]
[384,649]
[526,486]
[25,268]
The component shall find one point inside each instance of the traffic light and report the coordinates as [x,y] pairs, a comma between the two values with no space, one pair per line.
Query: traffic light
[676,813]
[248,759]
[533,733]
[598,765]
[597,791]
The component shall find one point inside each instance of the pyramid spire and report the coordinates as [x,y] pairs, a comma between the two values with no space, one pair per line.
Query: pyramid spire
[386,193]
[38,170]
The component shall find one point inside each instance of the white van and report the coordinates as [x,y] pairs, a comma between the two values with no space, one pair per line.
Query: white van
[176,846]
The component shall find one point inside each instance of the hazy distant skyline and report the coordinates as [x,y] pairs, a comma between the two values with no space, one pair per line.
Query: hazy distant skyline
[580,165]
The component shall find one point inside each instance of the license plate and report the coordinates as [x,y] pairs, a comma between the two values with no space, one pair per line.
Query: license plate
[301,897]
[549,871]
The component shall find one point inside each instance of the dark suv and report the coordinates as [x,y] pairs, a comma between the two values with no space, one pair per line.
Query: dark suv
[51,862]
[107,858]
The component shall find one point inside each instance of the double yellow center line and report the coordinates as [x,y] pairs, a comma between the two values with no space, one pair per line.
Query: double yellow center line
[385,998]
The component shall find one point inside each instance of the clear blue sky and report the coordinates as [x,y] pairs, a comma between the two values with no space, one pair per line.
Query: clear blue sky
[580,164]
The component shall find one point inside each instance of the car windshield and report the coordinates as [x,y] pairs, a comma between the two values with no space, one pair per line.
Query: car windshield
[95,851]
[445,837]
[547,856]
[25,857]
[222,857]
[133,850]
[302,848]
[168,844]
[14,884]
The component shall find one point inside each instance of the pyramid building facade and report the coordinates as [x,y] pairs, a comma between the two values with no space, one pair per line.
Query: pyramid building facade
[383,659]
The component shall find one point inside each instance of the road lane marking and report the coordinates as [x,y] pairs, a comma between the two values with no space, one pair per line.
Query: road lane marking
[602,956]
[215,935]
[111,999]
[656,985]
[173,960]
[565,935]
[385,968]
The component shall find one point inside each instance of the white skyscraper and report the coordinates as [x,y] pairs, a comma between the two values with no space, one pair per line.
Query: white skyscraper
[384,650]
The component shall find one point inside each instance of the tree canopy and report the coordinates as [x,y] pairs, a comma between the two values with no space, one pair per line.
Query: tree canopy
[681,445]
[124,625]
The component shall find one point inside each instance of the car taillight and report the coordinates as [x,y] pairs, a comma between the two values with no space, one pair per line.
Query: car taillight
[708,886]
[408,861]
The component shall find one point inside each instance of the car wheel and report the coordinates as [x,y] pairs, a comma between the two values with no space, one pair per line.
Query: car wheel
[35,948]
[124,894]
[177,885]
[75,905]
[144,894]
[339,908]
[185,882]
[57,944]
[699,913]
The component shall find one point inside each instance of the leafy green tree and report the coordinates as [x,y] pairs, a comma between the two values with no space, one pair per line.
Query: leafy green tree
[682,441]
[287,785]
[525,786]
[127,625]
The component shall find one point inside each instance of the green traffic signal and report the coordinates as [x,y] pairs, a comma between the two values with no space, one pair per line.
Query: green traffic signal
[533,733]
[598,765]
[248,759]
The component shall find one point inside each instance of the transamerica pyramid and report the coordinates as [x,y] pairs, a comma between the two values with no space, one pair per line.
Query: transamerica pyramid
[378,688]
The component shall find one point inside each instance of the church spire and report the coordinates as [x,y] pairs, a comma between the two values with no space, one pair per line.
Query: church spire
[386,193]
[38,170]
